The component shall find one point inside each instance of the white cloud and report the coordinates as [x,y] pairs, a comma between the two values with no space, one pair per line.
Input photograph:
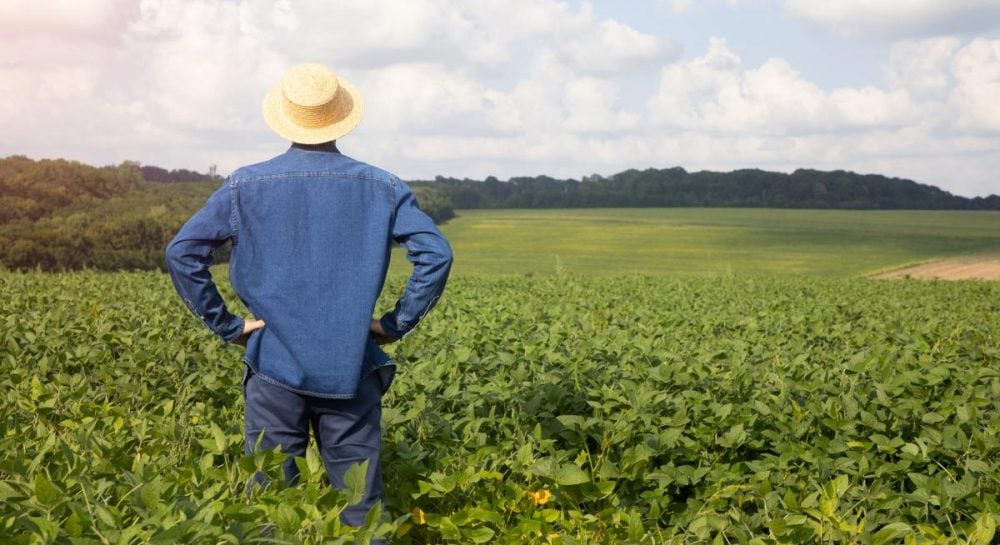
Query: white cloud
[87,19]
[871,107]
[976,95]
[956,87]
[935,120]
[421,97]
[554,98]
[898,17]
[417,61]
[715,92]
[514,87]
[188,77]
[922,67]
[611,47]
[681,6]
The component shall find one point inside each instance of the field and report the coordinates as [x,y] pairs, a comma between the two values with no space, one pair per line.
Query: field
[552,409]
[984,266]
[712,241]
[749,388]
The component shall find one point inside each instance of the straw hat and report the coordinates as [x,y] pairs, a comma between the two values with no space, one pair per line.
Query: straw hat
[312,105]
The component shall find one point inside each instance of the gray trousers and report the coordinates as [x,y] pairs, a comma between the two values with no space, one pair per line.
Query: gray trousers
[347,431]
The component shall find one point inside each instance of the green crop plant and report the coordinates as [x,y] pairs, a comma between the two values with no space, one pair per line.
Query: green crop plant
[555,409]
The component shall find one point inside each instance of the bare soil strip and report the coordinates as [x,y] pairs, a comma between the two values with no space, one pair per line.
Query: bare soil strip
[959,268]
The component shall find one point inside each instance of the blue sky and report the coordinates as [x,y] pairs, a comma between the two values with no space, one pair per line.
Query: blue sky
[760,30]
[907,88]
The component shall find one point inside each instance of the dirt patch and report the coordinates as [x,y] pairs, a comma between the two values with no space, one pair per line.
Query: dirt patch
[959,268]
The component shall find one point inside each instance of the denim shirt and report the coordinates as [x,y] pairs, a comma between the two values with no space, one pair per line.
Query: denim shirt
[312,232]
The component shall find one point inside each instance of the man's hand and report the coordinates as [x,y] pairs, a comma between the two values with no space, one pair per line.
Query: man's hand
[379,334]
[249,326]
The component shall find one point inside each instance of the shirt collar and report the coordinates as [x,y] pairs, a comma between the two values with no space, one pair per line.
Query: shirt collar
[325,146]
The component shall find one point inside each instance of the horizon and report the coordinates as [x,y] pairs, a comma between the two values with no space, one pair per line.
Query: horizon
[581,179]
[534,87]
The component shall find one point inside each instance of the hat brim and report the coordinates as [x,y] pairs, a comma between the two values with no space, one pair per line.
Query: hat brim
[274,116]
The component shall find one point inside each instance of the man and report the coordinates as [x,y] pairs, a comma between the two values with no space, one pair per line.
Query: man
[312,232]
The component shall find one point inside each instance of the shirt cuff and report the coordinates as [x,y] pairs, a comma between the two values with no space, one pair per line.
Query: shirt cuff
[233,329]
[388,322]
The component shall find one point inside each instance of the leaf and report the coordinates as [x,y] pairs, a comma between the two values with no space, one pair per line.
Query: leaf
[635,527]
[287,517]
[891,532]
[569,474]
[105,515]
[168,536]
[313,462]
[734,437]
[699,527]
[983,530]
[45,491]
[571,421]
[73,526]
[920,480]
[46,527]
[448,529]
[354,482]
[373,517]
[220,438]
[150,494]
[480,535]
[840,485]
[933,418]
[977,466]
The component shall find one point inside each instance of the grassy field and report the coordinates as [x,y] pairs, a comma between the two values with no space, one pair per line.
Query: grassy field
[711,241]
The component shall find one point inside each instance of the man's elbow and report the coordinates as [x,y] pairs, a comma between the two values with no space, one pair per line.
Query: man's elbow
[445,255]
[174,255]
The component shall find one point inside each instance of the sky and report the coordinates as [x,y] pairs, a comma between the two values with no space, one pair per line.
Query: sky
[472,88]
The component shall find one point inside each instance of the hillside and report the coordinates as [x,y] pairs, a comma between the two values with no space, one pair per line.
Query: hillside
[127,231]
[65,215]
[31,190]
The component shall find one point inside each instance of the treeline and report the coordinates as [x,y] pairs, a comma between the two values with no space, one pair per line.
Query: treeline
[156,174]
[676,187]
[58,215]
[434,201]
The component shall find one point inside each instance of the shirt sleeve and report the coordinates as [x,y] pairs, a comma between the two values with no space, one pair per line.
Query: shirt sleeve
[429,252]
[189,256]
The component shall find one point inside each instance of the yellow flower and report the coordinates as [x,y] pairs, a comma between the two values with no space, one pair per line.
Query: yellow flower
[540,497]
[418,516]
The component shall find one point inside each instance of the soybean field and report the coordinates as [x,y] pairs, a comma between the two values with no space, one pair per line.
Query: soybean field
[544,409]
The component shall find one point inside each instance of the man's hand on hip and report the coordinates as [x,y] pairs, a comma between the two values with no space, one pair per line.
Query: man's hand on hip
[379,334]
[249,326]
